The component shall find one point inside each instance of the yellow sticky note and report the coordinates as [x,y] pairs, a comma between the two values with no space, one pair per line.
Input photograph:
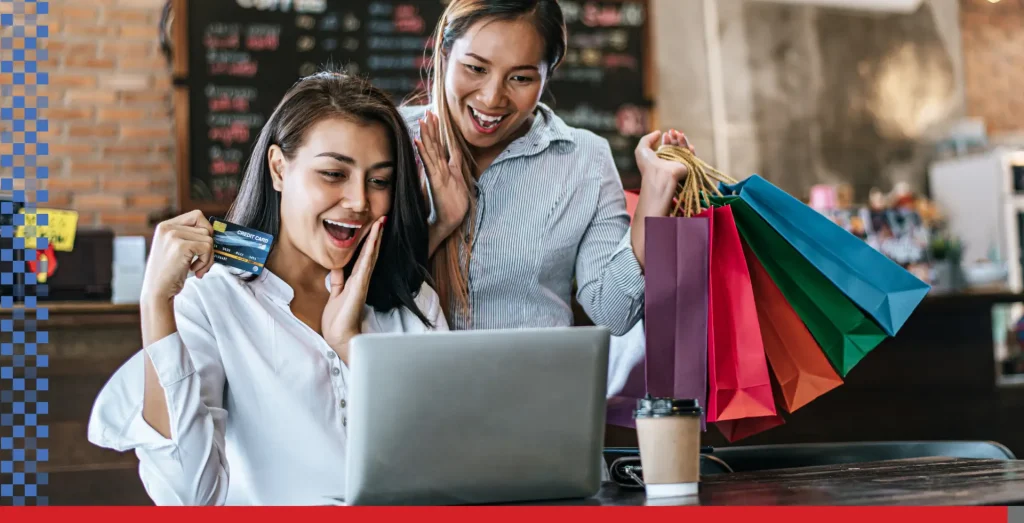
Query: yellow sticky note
[60,228]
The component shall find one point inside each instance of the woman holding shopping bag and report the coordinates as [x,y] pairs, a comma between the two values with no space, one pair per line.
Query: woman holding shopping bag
[523,204]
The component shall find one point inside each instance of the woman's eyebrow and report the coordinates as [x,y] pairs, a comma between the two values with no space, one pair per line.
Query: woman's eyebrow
[516,68]
[386,164]
[338,156]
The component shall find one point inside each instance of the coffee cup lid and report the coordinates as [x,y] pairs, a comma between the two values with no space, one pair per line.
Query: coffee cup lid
[651,407]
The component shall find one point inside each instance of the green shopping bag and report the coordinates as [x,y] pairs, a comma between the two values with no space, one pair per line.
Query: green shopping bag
[844,332]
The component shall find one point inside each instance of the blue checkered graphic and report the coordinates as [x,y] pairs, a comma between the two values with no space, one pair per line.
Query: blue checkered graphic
[23,453]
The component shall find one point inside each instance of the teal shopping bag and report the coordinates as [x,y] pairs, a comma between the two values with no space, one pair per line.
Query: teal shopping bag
[886,292]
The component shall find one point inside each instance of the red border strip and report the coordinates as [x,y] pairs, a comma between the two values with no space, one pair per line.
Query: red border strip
[514,514]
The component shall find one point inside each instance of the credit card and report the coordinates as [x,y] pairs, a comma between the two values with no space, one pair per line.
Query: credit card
[240,247]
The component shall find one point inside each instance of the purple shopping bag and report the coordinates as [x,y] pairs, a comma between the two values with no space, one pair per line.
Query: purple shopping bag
[677,255]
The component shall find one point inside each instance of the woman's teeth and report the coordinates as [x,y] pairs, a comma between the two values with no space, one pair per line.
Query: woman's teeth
[341,231]
[485,121]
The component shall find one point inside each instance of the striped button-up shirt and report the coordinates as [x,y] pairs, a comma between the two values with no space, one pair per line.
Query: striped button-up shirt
[549,209]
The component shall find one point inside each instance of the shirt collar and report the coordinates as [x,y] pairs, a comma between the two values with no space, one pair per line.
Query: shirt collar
[273,286]
[547,129]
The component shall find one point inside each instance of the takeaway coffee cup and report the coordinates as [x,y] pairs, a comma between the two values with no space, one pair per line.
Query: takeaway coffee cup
[669,434]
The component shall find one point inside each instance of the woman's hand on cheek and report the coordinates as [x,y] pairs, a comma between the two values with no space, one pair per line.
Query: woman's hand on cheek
[660,179]
[451,194]
[343,314]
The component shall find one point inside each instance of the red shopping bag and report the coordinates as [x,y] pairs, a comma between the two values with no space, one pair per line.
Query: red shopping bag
[735,430]
[738,378]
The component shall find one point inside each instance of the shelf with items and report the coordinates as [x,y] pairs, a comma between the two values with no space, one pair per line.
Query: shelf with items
[905,227]
[983,197]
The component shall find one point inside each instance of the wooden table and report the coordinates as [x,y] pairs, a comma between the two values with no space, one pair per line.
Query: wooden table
[921,482]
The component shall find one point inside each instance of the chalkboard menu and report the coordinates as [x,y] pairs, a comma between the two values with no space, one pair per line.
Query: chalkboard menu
[244,54]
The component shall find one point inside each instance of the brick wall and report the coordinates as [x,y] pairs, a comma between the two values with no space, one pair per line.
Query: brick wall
[111,126]
[993,36]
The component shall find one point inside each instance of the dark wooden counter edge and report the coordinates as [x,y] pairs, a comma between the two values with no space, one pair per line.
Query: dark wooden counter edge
[80,314]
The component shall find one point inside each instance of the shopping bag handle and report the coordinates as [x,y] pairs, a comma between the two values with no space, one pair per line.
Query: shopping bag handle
[701,180]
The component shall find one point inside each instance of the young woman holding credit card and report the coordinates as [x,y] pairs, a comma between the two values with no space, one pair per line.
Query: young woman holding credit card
[238,396]
[526,204]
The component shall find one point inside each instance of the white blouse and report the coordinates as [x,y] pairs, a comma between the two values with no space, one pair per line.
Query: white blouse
[256,398]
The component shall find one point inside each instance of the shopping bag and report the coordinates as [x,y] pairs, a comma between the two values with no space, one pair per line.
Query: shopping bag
[677,253]
[739,384]
[737,429]
[886,292]
[841,329]
[795,358]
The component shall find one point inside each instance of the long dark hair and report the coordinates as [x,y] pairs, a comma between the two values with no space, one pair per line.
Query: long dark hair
[450,269]
[401,265]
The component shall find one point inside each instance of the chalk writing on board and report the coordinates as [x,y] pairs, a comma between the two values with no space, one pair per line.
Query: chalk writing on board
[396,43]
[224,187]
[387,62]
[213,91]
[299,6]
[226,103]
[225,161]
[626,15]
[584,74]
[592,14]
[589,117]
[608,39]
[381,8]
[225,99]
[397,83]
[231,63]
[230,134]
[380,27]
[263,37]
[408,19]
[248,120]
[620,61]
[222,36]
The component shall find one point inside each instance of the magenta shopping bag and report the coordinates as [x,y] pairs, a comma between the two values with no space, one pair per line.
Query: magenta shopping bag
[677,254]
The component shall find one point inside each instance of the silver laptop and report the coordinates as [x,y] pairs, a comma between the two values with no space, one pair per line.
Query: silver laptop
[476,417]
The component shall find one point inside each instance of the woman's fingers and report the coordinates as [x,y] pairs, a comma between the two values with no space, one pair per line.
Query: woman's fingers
[201,250]
[337,282]
[426,154]
[367,257]
[649,141]
[683,141]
